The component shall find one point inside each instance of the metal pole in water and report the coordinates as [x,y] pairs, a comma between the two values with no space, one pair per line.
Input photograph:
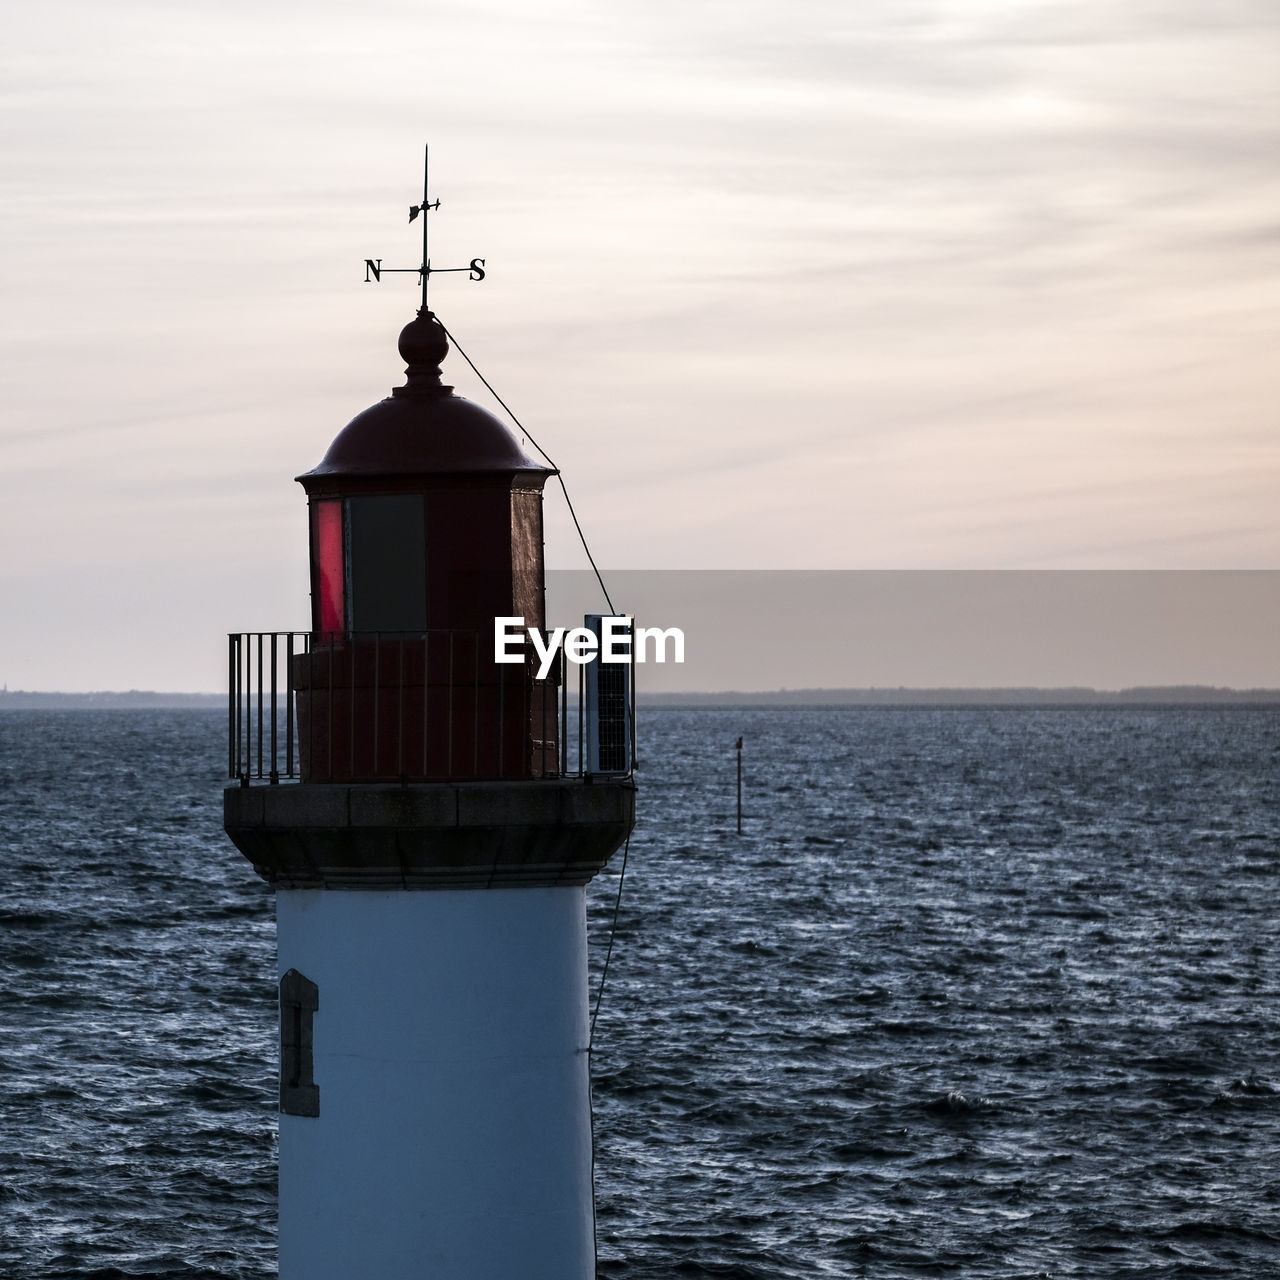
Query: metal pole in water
[739,750]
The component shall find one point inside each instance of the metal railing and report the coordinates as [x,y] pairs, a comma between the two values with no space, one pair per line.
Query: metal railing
[394,706]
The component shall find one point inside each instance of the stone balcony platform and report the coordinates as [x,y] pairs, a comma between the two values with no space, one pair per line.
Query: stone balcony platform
[438,835]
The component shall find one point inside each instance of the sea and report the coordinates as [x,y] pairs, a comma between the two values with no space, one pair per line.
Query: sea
[977,992]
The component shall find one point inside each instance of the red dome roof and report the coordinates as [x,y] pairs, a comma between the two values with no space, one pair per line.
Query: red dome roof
[403,436]
[422,428]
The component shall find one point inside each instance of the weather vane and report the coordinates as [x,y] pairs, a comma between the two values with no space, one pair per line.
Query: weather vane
[373,267]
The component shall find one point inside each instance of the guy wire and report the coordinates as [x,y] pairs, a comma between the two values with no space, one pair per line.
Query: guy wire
[564,488]
[591,1038]
[613,929]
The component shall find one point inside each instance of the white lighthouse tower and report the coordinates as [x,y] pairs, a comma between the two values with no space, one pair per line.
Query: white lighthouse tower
[429,861]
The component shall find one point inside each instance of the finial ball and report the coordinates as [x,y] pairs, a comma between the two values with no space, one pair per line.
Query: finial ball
[423,343]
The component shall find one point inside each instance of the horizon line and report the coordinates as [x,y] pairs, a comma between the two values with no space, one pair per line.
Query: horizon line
[821,695]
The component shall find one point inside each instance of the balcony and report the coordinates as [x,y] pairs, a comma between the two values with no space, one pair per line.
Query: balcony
[427,706]
[424,764]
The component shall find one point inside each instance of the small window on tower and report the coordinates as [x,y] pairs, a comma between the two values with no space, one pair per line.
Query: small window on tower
[299,1000]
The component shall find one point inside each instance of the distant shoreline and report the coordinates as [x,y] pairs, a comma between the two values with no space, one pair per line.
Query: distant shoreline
[133,699]
[1143,695]
[1152,695]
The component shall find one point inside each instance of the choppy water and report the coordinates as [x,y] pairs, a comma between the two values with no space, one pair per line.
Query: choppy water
[983,993]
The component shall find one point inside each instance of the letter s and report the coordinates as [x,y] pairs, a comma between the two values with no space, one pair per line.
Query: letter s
[477,268]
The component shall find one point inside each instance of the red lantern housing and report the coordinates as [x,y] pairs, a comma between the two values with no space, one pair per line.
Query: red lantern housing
[426,525]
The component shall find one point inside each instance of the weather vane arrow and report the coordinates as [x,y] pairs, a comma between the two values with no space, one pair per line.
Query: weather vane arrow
[373,267]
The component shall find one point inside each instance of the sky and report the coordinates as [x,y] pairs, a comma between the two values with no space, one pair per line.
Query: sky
[889,285]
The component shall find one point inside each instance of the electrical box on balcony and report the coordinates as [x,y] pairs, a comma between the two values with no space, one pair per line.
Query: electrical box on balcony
[607,695]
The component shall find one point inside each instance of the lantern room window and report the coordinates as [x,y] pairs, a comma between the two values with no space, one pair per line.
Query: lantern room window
[370,563]
[330,569]
[387,563]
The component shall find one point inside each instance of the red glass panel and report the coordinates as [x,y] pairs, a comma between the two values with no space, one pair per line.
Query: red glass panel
[329,565]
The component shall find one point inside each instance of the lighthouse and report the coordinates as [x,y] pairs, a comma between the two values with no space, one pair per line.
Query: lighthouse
[412,801]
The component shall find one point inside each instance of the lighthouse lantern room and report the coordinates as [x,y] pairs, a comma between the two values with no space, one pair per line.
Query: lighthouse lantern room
[426,525]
